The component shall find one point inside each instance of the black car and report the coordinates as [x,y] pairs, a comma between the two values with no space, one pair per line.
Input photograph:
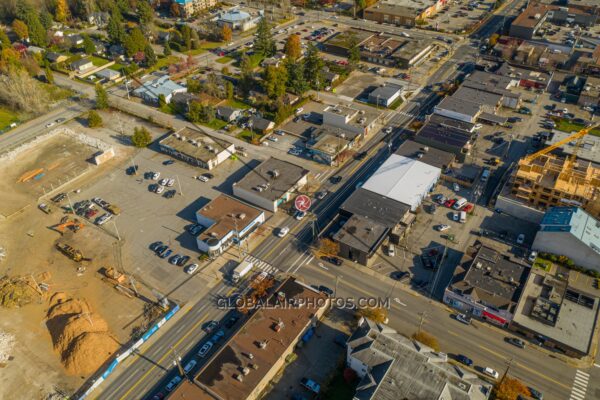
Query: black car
[231,322]
[210,326]
[464,360]
[333,260]
[183,260]
[169,194]
[512,120]
[132,170]
[536,394]
[400,275]
[154,246]
[160,249]
[208,176]
[336,179]
[361,155]
[326,290]
[59,197]
[168,162]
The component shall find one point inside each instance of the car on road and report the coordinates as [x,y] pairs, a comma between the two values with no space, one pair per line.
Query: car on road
[442,227]
[326,290]
[332,260]
[280,132]
[463,318]
[400,275]
[310,385]
[299,215]
[515,342]
[336,179]
[272,138]
[173,383]
[464,360]
[50,124]
[321,195]
[190,269]
[168,162]
[59,120]
[231,322]
[283,231]
[205,349]
[189,366]
[491,372]
[520,238]
[532,256]
[455,187]
[361,155]
[210,326]
[388,129]
[536,394]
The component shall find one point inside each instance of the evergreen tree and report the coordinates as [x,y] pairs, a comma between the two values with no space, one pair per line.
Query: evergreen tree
[134,42]
[246,79]
[94,119]
[150,56]
[49,75]
[101,98]
[46,19]
[274,81]
[115,30]
[167,50]
[141,137]
[313,67]
[145,12]
[37,32]
[88,45]
[296,82]
[264,43]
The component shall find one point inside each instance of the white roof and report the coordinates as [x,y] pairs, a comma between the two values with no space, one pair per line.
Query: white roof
[403,179]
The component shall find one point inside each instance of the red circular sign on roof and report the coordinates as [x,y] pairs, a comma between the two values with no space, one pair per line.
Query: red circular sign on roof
[302,203]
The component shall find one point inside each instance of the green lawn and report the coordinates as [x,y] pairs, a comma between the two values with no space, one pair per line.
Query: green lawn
[195,52]
[237,104]
[211,45]
[255,60]
[163,62]
[117,67]
[247,135]
[98,61]
[567,126]
[7,117]
[396,104]
[224,60]
[57,93]
[215,124]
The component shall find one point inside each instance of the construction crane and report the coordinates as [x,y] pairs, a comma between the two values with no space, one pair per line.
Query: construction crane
[575,136]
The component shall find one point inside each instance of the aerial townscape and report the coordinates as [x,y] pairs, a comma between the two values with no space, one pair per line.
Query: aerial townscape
[299,199]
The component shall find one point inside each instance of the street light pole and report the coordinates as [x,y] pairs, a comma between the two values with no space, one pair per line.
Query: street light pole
[337,278]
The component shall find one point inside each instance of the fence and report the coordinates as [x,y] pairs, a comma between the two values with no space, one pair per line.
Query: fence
[103,375]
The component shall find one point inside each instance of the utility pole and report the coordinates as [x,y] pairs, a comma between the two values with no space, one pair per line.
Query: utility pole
[116,230]
[423,314]
[70,204]
[337,278]
[177,361]
[509,364]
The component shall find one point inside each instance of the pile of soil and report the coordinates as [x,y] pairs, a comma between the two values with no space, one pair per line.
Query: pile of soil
[16,292]
[80,336]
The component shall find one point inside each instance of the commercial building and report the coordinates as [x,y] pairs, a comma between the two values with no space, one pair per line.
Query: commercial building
[151,90]
[497,84]
[196,148]
[440,133]
[358,121]
[587,148]
[392,367]
[238,20]
[404,179]
[438,158]
[469,105]
[403,12]
[556,315]
[386,95]
[549,180]
[527,24]
[244,365]
[226,221]
[590,95]
[326,145]
[190,8]
[271,184]
[488,286]
[525,77]
[571,232]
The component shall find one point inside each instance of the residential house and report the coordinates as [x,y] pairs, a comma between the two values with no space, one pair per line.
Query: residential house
[228,114]
[81,65]
[151,90]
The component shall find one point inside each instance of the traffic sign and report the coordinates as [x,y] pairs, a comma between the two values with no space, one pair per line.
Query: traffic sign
[302,203]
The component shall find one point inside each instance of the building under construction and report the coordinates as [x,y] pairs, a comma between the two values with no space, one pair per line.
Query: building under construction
[549,180]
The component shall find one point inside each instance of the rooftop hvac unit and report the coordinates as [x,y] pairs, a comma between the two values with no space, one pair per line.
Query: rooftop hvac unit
[214,234]
[275,173]
[183,138]
[215,151]
[241,216]
[262,344]
[253,366]
[250,356]
[176,135]
[425,149]
[478,265]
[239,377]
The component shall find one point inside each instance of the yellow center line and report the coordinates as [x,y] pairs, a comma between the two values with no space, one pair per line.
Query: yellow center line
[533,371]
[155,365]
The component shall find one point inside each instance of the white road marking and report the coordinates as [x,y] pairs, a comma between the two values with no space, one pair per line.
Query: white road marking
[322,266]
[294,263]
[579,388]
[597,365]
[397,300]
[306,260]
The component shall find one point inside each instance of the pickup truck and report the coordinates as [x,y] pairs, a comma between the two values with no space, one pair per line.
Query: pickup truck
[113,209]
[45,208]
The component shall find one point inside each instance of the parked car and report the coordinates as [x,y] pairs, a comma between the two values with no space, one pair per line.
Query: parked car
[442,227]
[210,326]
[216,338]
[283,231]
[231,322]
[189,366]
[205,349]
[168,162]
[491,372]
[159,189]
[310,385]
[155,245]
[331,259]
[326,290]
[183,260]
[321,195]
[173,383]
[299,215]
[166,253]
[520,238]
[515,342]
[155,175]
[449,203]
[464,360]
[170,182]
[173,260]
[104,218]
[202,178]
[463,318]
[190,269]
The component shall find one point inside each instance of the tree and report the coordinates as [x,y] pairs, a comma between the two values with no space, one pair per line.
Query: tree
[229,90]
[4,40]
[510,389]
[186,37]
[20,29]
[199,112]
[313,67]
[427,340]
[329,247]
[296,82]
[493,39]
[274,81]
[134,42]
[175,10]
[36,32]
[150,55]
[145,12]
[115,30]
[293,48]
[20,92]
[377,314]
[61,11]
[353,52]
[88,45]
[263,42]
[167,50]
[94,119]
[46,19]
[49,75]
[141,137]
[162,103]
[189,61]
[226,33]
[195,39]
[101,98]
[246,80]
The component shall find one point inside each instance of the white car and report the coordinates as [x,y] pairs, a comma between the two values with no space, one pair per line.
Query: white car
[272,138]
[163,182]
[156,175]
[520,238]
[443,227]
[190,269]
[280,132]
[532,256]
[388,130]
[491,372]
[170,182]
[159,189]
[477,126]
[104,218]
[50,124]
[299,111]
[456,187]
[202,178]
[283,231]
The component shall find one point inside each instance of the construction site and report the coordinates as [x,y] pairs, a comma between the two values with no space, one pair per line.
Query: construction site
[543,179]
[67,302]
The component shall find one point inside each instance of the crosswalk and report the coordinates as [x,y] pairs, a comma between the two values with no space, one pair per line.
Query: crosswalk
[580,383]
[400,117]
[263,265]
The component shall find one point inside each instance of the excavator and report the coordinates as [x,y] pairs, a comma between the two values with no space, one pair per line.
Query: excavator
[75,225]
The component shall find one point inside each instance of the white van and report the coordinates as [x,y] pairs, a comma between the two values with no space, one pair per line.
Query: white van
[460,203]
[391,250]
[463,217]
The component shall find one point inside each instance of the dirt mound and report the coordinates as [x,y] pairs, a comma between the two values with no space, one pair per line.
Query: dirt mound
[16,292]
[80,336]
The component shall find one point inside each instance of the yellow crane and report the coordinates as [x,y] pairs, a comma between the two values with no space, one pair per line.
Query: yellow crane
[575,136]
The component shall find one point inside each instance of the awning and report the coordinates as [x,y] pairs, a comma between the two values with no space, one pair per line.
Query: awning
[494,318]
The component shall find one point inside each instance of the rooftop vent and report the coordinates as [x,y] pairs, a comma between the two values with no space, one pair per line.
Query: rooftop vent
[478,265]
[176,135]
[239,377]
[253,366]
[241,216]
[275,173]
[425,149]
[250,356]
[245,371]
[262,345]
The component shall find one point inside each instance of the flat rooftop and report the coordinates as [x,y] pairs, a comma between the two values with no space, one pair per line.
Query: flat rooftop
[411,48]
[228,214]
[343,39]
[589,148]
[364,114]
[362,233]
[493,279]
[482,97]
[195,144]
[272,178]
[378,208]
[521,73]
[410,8]
[445,135]
[450,122]
[329,143]
[553,309]
[219,375]
[428,155]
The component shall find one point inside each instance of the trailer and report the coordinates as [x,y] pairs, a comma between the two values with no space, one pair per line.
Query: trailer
[241,270]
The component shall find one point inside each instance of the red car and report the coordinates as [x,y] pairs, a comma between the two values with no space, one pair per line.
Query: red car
[91,213]
[450,203]
[468,208]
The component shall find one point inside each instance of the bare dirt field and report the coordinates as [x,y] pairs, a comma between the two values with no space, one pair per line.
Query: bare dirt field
[39,169]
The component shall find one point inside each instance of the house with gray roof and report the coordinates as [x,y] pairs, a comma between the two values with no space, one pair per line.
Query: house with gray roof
[108,74]
[81,65]
[228,114]
[151,90]
[393,367]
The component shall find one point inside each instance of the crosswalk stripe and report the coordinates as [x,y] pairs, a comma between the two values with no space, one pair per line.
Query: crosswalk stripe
[576,397]
[581,373]
[580,381]
[579,389]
